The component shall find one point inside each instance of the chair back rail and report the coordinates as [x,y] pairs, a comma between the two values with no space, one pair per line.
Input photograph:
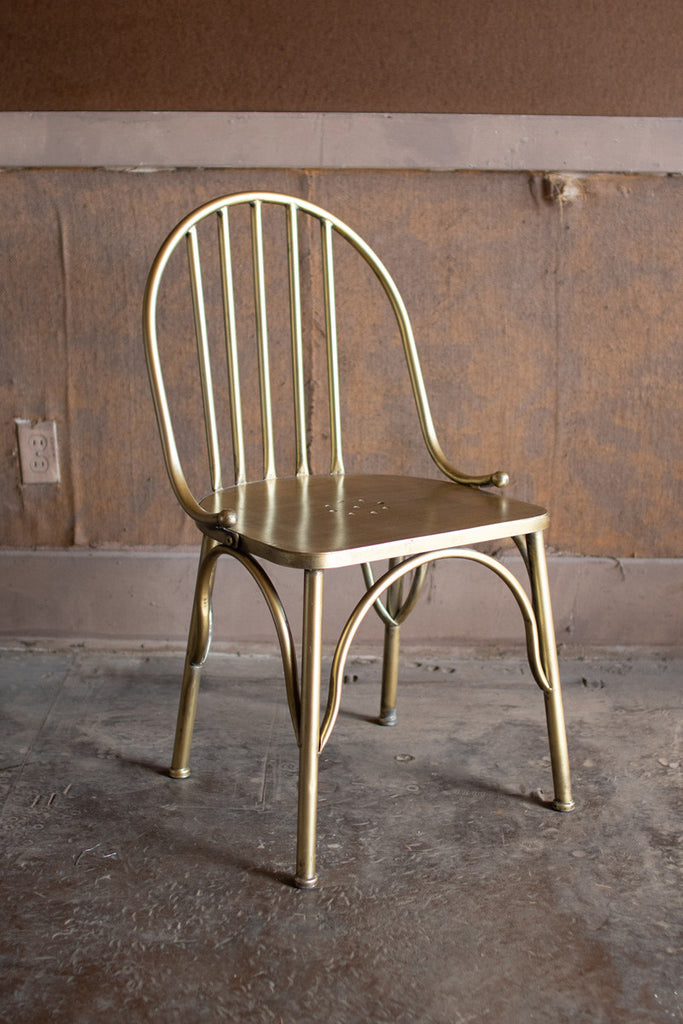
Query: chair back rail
[330,227]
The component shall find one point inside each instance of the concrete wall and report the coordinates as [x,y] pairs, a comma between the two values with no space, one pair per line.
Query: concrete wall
[550,335]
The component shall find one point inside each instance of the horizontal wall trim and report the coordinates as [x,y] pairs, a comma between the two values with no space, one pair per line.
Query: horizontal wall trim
[147,140]
[145,596]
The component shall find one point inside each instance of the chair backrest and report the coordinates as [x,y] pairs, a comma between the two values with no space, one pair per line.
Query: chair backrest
[222,211]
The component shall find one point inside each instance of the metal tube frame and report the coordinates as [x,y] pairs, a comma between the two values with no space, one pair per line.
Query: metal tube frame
[557,734]
[220,537]
[304,699]
[199,642]
[229,321]
[330,225]
[392,575]
[309,733]
[392,613]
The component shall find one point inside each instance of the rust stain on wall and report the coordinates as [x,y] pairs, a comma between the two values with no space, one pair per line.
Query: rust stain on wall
[549,334]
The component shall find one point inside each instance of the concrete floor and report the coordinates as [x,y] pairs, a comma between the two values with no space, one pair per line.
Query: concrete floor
[449,893]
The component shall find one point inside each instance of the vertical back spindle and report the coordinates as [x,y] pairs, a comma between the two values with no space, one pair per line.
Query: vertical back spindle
[204,359]
[336,462]
[302,468]
[231,345]
[262,339]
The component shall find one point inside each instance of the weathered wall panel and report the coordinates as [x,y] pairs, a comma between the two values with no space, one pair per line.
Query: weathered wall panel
[550,336]
[494,56]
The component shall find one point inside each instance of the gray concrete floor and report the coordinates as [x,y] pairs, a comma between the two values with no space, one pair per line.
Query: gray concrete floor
[449,893]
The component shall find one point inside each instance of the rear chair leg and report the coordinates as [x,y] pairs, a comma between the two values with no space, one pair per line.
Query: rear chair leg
[198,643]
[557,736]
[392,637]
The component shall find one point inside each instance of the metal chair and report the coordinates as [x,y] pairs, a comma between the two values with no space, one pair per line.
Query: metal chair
[315,522]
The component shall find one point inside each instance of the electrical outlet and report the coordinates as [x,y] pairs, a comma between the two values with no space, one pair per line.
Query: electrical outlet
[38,451]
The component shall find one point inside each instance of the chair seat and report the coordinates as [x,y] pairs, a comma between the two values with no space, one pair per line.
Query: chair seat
[319,522]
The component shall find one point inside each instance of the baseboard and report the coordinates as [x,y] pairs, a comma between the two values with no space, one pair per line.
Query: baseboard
[119,597]
[151,140]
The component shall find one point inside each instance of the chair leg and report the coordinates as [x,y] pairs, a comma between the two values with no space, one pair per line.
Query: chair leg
[557,736]
[198,643]
[392,637]
[309,730]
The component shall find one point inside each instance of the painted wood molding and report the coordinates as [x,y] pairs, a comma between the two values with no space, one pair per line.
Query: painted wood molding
[126,596]
[147,140]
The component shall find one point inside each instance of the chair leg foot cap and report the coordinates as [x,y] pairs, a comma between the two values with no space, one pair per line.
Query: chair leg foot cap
[306,883]
[563,805]
[388,717]
[179,773]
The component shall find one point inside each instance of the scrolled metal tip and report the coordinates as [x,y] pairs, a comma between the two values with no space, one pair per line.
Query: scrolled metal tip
[500,479]
[227,517]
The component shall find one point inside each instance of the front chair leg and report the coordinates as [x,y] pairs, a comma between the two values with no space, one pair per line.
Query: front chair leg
[559,756]
[198,643]
[309,730]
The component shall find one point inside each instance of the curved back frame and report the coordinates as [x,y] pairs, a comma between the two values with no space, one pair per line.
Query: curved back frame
[330,226]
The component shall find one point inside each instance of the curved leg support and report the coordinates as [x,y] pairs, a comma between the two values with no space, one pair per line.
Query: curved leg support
[282,627]
[559,757]
[521,545]
[385,581]
[198,643]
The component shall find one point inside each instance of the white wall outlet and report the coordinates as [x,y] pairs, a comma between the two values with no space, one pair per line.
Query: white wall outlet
[38,451]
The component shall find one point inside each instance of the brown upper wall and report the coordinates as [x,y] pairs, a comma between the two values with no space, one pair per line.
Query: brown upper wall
[590,57]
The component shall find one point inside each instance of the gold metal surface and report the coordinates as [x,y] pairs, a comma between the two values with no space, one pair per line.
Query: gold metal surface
[318,522]
[229,321]
[256,202]
[559,756]
[392,614]
[262,334]
[336,462]
[324,522]
[297,340]
[306,877]
[531,626]
[389,692]
[200,639]
[204,361]
[403,609]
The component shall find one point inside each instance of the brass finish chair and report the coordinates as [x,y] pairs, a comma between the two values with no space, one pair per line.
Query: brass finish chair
[318,522]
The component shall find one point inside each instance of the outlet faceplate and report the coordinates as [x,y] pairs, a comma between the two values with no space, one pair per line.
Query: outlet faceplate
[38,451]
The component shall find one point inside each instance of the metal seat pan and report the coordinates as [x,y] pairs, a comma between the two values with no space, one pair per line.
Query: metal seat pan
[320,522]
